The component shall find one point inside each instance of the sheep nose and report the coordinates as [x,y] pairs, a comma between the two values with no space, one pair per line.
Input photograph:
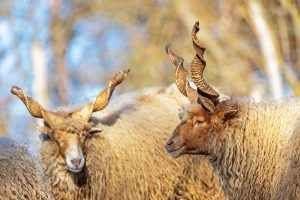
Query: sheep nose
[76,161]
[173,143]
[169,142]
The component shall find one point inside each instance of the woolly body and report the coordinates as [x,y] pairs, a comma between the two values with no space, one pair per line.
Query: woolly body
[252,154]
[127,160]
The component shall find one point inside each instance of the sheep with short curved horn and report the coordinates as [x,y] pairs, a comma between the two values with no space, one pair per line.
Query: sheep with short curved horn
[127,159]
[247,143]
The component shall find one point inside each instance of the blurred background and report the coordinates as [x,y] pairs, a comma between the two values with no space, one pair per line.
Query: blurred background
[62,52]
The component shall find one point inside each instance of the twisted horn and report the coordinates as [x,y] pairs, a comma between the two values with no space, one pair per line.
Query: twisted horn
[35,109]
[102,98]
[181,76]
[198,65]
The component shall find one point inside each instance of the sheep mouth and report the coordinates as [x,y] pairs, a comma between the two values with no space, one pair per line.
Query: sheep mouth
[198,152]
[75,170]
[175,153]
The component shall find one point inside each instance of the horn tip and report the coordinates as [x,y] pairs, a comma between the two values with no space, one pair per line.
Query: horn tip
[126,71]
[119,77]
[197,26]
[168,47]
[15,90]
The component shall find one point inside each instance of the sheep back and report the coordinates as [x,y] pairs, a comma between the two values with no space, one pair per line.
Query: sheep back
[254,153]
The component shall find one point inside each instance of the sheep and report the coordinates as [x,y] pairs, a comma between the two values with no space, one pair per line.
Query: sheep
[247,143]
[122,150]
[20,176]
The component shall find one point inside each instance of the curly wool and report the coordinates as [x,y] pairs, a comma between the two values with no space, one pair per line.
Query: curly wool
[289,187]
[127,160]
[20,177]
[252,155]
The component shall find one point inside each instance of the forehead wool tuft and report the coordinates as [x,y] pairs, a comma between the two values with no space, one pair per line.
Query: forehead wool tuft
[73,126]
[186,111]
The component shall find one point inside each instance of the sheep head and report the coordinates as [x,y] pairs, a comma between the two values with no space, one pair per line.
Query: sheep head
[199,129]
[206,115]
[71,129]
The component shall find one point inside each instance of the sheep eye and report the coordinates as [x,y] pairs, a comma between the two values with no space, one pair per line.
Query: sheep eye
[199,122]
[95,130]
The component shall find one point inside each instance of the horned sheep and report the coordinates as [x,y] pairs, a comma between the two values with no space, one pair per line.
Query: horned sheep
[20,176]
[254,147]
[126,159]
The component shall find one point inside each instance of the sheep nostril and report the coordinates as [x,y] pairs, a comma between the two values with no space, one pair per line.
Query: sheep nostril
[76,161]
[170,142]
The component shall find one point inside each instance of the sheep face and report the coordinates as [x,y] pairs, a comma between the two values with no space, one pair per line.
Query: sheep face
[198,130]
[70,137]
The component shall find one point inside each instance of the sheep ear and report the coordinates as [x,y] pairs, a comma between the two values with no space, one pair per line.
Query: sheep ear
[228,114]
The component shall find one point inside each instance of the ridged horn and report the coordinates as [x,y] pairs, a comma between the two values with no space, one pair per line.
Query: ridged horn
[35,109]
[102,99]
[192,94]
[198,65]
[181,76]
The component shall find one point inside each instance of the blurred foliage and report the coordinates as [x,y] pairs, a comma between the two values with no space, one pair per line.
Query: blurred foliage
[233,49]
[4,8]
[133,34]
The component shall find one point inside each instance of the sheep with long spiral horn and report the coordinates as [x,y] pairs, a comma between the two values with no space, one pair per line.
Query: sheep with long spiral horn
[253,147]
